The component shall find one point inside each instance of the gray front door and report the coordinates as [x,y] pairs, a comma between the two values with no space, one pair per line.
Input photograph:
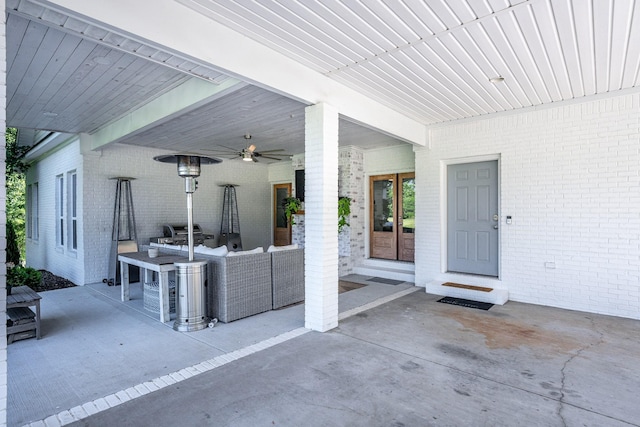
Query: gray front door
[472,218]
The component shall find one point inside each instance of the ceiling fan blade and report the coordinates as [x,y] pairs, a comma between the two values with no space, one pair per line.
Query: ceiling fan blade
[272,158]
[266,153]
[221,152]
[251,148]
[255,160]
[272,151]
[229,148]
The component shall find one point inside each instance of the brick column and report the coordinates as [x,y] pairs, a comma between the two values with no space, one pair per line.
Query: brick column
[3,221]
[321,217]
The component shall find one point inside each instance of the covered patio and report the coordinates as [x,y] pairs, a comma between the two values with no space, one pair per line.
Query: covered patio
[94,345]
[397,358]
[546,92]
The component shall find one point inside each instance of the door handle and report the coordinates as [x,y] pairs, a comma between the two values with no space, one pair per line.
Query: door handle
[495,227]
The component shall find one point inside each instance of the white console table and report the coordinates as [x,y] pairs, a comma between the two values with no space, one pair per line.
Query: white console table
[162,264]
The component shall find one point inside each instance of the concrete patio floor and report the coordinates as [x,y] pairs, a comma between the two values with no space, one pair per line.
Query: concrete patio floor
[93,345]
[407,362]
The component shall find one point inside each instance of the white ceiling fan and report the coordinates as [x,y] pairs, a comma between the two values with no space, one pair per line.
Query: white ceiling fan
[249,153]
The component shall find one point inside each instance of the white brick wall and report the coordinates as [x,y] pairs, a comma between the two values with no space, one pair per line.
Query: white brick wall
[569,177]
[351,184]
[321,217]
[43,253]
[3,221]
[158,196]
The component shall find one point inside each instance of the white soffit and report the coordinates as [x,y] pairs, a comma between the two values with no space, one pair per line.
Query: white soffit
[179,29]
[433,60]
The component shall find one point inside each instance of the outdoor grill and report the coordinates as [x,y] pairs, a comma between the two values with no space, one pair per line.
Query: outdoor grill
[178,234]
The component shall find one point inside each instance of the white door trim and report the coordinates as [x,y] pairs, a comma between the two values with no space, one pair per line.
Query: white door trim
[444,163]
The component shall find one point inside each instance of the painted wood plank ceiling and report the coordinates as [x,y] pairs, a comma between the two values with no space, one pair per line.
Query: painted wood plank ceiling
[433,60]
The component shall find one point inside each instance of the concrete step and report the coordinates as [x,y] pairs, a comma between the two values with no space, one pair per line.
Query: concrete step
[495,296]
[387,269]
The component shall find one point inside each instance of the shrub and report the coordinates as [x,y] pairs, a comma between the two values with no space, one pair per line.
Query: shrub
[20,276]
[13,251]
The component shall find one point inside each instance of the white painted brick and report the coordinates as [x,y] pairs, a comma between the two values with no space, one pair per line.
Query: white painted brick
[90,408]
[3,330]
[101,404]
[66,417]
[142,389]
[78,412]
[132,393]
[151,386]
[570,179]
[158,198]
[123,396]
[52,421]
[176,376]
[112,400]
[321,219]
[167,379]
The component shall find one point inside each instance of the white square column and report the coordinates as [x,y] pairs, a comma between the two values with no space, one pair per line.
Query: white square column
[321,217]
[3,222]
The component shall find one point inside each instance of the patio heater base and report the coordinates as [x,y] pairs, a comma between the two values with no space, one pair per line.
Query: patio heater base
[190,296]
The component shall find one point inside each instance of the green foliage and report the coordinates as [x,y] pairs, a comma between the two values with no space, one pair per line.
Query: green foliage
[15,188]
[14,161]
[409,198]
[20,276]
[344,210]
[291,205]
[13,251]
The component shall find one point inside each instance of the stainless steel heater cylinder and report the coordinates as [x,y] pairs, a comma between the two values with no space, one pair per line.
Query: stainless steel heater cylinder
[190,296]
[190,275]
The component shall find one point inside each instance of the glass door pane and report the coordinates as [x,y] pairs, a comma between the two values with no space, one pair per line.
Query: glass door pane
[281,218]
[383,205]
[408,205]
[281,227]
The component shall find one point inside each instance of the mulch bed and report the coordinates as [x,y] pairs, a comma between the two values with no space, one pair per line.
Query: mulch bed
[50,282]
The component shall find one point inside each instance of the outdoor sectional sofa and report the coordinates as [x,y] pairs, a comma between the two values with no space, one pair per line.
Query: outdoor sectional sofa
[251,283]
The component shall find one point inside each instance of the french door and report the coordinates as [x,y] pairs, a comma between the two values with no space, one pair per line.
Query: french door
[281,227]
[392,216]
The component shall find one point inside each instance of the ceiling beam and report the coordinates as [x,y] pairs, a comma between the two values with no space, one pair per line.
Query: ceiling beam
[188,96]
[181,29]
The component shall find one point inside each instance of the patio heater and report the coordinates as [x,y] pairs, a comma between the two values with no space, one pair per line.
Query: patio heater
[190,275]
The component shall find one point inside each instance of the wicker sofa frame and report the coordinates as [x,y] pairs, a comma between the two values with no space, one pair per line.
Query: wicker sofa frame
[236,287]
[287,277]
[239,287]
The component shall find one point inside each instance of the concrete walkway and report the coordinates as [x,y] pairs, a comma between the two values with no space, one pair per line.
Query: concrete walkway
[412,362]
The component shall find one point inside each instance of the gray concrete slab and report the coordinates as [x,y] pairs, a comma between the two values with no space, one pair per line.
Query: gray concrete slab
[93,345]
[414,361]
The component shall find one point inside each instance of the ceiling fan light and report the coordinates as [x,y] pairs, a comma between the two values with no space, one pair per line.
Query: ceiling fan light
[247,157]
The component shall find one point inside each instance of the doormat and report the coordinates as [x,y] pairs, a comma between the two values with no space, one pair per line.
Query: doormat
[474,288]
[385,281]
[466,303]
[344,286]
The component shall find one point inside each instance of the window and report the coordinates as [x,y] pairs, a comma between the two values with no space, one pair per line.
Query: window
[59,210]
[72,210]
[32,211]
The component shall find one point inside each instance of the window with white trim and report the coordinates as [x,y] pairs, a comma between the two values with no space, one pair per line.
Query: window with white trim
[32,211]
[60,210]
[72,210]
